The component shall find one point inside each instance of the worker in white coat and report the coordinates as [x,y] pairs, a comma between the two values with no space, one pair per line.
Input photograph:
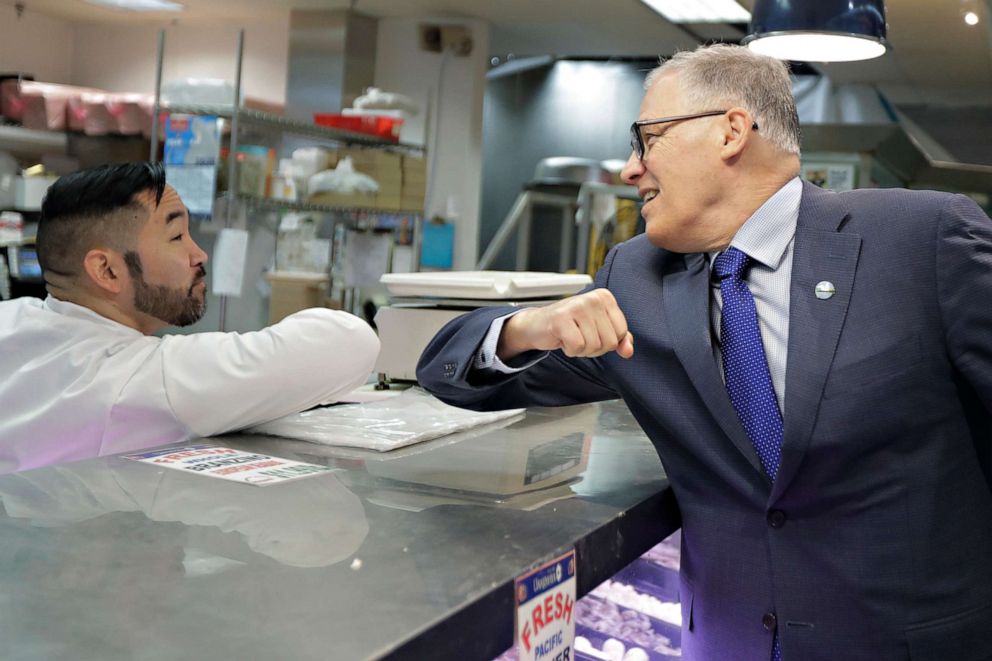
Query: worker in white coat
[83,374]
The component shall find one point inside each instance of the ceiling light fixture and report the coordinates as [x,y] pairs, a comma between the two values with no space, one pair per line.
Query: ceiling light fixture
[700,11]
[971,18]
[138,5]
[818,30]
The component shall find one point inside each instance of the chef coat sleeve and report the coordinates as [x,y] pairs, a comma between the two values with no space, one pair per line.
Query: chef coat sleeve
[218,382]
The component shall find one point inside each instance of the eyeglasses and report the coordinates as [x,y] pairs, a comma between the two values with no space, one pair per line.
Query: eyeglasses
[637,140]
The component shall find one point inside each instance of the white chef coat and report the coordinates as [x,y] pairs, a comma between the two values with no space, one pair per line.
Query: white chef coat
[74,384]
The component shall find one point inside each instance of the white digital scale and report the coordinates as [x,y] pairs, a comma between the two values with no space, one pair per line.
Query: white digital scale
[422,303]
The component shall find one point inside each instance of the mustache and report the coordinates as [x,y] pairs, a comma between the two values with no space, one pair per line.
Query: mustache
[200,276]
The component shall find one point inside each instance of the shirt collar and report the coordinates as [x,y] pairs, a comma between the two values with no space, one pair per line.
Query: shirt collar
[766,235]
[81,312]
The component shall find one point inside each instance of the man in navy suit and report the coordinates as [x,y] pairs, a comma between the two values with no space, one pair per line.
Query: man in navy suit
[815,369]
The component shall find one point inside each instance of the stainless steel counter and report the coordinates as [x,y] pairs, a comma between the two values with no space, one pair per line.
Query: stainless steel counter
[407,554]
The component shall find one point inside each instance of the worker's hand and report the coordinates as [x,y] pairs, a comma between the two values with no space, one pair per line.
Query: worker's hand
[587,325]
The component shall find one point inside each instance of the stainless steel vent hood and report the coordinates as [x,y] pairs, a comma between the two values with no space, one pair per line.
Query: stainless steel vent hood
[856,118]
[331,60]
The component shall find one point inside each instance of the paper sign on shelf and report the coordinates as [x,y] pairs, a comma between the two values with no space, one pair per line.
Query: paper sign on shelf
[366,257]
[230,255]
[192,152]
[229,464]
[545,613]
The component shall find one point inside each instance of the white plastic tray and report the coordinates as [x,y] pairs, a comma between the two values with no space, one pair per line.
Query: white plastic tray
[490,285]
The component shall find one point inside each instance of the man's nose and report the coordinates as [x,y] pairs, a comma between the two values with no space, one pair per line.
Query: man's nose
[198,256]
[632,169]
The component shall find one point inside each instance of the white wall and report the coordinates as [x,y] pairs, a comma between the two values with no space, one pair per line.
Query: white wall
[402,67]
[121,57]
[35,44]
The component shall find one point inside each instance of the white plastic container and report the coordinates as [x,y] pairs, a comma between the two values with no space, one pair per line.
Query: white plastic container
[488,285]
[30,191]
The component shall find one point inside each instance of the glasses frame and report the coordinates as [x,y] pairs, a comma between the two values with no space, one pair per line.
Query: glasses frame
[637,142]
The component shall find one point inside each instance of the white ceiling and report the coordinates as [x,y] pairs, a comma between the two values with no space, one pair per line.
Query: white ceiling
[935,56]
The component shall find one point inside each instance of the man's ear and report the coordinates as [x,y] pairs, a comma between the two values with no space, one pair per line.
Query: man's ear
[737,130]
[105,269]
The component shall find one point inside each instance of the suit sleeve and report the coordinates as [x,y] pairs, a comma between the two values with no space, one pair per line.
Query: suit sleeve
[964,284]
[445,368]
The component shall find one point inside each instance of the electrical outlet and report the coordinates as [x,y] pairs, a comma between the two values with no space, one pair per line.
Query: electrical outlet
[430,38]
[440,38]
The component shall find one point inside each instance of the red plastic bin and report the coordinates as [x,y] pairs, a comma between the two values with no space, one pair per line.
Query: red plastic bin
[387,128]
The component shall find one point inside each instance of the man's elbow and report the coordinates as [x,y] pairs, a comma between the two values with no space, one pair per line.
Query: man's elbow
[348,349]
[431,375]
[365,344]
[351,361]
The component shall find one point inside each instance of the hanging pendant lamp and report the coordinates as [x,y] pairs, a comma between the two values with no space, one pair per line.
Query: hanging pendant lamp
[818,30]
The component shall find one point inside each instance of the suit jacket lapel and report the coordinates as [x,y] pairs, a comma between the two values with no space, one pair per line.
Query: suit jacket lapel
[820,253]
[687,301]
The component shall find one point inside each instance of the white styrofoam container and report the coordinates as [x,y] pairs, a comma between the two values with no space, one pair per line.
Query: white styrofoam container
[488,285]
[30,191]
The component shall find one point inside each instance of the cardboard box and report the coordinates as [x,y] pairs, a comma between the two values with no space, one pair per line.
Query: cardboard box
[415,164]
[359,161]
[388,171]
[413,195]
[388,202]
[292,292]
[345,200]
[414,170]
[374,157]
[390,187]
[415,180]
[388,174]
[389,160]
[412,204]
[414,188]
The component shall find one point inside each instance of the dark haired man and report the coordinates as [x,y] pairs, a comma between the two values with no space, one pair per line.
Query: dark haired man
[83,374]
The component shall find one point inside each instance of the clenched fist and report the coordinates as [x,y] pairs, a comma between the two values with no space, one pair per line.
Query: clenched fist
[587,325]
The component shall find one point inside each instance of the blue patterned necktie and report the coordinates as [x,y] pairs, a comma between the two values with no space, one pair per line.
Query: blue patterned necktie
[745,369]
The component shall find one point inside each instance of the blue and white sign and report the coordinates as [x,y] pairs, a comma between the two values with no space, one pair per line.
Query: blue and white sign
[192,151]
[228,464]
[545,599]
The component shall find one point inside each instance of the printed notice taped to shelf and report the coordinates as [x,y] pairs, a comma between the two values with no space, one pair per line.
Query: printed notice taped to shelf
[229,464]
[230,254]
[192,151]
[366,257]
[545,599]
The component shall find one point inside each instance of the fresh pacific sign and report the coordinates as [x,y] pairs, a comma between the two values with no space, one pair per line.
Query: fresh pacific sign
[545,611]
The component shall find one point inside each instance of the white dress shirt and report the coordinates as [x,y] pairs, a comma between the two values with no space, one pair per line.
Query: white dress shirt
[767,236]
[76,384]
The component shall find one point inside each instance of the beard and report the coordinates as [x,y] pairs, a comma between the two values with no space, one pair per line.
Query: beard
[176,307]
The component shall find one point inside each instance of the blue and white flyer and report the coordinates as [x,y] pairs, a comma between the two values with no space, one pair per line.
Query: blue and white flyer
[229,464]
[192,152]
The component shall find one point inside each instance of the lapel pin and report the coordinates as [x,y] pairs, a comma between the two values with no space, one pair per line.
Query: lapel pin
[825,290]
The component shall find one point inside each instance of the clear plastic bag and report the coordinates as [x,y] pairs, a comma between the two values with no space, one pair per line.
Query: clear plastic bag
[409,418]
[342,179]
[375,99]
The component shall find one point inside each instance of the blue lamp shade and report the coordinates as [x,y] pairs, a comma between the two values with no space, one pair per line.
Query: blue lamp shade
[818,30]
